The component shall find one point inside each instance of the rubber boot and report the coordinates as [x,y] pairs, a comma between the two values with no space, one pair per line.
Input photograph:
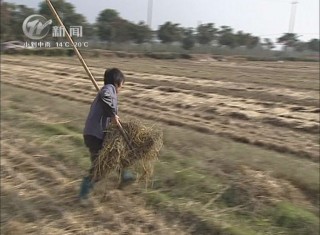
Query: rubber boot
[127,177]
[85,188]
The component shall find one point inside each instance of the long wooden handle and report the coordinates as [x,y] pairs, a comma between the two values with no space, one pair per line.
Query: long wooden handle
[73,45]
[54,12]
[125,135]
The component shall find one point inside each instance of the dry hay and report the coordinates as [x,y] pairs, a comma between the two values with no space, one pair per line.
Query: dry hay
[14,227]
[116,155]
[252,189]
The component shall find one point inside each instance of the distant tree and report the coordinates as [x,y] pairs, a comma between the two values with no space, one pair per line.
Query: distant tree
[105,24]
[65,10]
[252,41]
[226,37]
[122,30]
[206,33]
[111,27]
[313,44]
[268,43]
[108,16]
[300,46]
[7,10]
[169,32]
[90,30]
[288,39]
[246,39]
[189,39]
[105,32]
[12,17]
[225,29]
[141,33]
[241,38]
[68,16]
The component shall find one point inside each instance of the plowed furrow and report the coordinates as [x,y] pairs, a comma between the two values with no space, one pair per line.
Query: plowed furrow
[167,103]
[221,103]
[260,135]
[236,89]
[254,135]
[249,70]
[75,84]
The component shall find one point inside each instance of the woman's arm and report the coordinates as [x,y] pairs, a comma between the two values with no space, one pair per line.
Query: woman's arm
[107,98]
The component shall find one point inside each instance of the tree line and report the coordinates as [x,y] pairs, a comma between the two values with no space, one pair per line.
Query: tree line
[112,28]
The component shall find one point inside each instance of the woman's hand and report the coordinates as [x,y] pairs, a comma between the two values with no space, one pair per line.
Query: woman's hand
[116,120]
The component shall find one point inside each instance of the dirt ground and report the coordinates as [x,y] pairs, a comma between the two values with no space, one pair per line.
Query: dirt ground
[271,105]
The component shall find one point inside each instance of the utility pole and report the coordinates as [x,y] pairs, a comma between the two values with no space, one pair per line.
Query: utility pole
[292,16]
[150,5]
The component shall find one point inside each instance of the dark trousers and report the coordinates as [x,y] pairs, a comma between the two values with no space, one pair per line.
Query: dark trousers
[94,145]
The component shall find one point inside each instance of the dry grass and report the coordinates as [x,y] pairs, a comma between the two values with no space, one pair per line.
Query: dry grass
[252,189]
[240,112]
[116,155]
[187,176]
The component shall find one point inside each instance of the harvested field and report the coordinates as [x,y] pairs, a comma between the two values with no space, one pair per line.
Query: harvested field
[262,110]
[217,117]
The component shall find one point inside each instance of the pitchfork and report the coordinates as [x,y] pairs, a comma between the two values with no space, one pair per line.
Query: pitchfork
[123,133]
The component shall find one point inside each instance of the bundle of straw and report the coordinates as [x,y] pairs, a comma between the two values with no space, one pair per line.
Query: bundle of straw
[116,155]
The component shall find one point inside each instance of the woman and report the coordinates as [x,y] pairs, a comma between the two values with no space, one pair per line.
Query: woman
[103,111]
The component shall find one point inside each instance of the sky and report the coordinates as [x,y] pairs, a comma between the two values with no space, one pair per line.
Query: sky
[263,18]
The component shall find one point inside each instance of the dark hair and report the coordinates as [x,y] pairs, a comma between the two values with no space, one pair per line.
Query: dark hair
[113,76]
